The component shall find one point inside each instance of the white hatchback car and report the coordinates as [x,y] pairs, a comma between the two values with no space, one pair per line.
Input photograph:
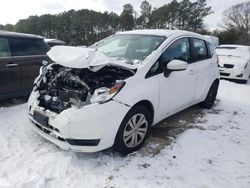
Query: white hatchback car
[234,61]
[111,94]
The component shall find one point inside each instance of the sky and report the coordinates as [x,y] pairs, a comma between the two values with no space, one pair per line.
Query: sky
[13,10]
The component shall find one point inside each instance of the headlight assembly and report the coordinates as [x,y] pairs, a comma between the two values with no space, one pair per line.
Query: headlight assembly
[104,94]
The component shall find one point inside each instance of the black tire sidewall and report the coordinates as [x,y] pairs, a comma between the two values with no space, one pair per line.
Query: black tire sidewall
[209,101]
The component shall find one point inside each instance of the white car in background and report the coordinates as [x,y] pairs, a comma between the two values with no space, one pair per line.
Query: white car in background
[234,62]
[111,94]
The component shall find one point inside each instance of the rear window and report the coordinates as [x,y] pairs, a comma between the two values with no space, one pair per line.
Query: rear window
[24,47]
[4,48]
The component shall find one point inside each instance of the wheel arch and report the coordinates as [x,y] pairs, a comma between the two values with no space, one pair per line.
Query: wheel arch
[149,106]
[217,80]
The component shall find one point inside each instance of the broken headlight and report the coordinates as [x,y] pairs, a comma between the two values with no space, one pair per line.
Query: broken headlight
[104,94]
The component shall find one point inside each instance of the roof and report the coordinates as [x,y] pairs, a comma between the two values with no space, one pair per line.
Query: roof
[19,35]
[159,32]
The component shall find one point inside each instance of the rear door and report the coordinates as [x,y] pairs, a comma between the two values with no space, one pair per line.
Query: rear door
[10,72]
[204,66]
[28,53]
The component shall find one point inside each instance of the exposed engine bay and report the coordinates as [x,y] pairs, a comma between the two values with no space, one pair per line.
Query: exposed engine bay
[61,87]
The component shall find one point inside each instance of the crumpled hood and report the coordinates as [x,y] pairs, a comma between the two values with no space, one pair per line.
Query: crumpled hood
[77,57]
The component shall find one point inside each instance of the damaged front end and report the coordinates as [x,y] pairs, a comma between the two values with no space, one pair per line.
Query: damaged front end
[61,87]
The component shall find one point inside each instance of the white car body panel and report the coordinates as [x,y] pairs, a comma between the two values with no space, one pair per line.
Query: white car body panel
[101,121]
[89,122]
[234,62]
[204,78]
[181,93]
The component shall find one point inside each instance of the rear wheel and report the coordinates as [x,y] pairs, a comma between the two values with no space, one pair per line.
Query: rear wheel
[211,96]
[133,131]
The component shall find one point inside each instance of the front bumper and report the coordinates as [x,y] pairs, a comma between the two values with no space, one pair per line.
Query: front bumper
[91,128]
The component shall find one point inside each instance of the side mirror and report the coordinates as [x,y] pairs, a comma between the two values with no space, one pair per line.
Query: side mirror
[175,65]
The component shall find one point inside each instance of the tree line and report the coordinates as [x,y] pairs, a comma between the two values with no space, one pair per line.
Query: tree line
[236,25]
[84,27]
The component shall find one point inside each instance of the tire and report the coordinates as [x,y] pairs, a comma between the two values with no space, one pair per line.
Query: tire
[132,135]
[211,96]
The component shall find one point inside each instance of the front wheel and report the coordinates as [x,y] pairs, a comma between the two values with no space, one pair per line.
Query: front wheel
[133,131]
[211,96]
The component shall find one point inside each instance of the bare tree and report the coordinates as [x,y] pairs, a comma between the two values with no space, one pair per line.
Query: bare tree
[237,18]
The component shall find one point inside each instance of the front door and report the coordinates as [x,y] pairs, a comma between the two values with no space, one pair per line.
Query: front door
[177,90]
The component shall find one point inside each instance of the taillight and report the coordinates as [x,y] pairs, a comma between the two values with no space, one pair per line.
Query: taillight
[218,61]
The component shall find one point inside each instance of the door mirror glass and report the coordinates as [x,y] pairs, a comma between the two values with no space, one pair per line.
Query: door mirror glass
[177,65]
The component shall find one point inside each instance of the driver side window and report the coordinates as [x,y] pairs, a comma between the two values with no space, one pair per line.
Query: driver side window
[179,50]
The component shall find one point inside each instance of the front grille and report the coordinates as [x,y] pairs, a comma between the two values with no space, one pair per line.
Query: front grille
[224,74]
[53,128]
[228,66]
[48,126]
[75,142]
[47,131]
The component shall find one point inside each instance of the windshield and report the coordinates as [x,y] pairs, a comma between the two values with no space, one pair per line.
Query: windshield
[232,51]
[133,49]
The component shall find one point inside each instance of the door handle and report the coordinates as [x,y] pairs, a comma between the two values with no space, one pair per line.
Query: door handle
[11,65]
[192,71]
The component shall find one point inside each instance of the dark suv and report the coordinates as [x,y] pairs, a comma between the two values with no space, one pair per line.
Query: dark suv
[21,57]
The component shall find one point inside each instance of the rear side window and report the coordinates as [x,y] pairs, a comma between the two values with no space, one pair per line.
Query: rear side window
[24,47]
[199,50]
[4,48]
[210,49]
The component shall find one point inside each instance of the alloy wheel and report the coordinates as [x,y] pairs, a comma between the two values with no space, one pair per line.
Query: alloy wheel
[135,130]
